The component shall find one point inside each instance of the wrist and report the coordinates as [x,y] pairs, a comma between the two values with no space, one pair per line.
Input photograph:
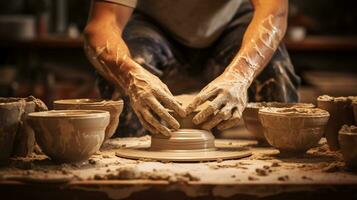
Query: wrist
[241,72]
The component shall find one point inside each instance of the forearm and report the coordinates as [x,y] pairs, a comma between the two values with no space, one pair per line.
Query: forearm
[261,39]
[103,43]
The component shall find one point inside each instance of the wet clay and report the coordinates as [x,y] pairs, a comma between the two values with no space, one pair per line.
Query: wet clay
[348,142]
[293,130]
[251,119]
[184,145]
[341,112]
[69,135]
[25,137]
[11,111]
[114,107]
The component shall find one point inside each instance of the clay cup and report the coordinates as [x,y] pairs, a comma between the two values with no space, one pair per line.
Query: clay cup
[347,138]
[341,112]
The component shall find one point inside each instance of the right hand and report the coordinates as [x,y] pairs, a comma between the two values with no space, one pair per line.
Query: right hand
[151,99]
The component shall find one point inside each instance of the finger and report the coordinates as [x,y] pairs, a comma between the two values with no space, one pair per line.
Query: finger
[147,126]
[209,110]
[224,114]
[231,122]
[162,112]
[201,98]
[170,102]
[149,118]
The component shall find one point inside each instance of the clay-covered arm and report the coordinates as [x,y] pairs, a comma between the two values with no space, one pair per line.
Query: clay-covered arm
[261,38]
[107,51]
[228,91]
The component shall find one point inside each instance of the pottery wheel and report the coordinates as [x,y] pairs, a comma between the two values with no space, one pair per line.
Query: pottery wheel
[185,145]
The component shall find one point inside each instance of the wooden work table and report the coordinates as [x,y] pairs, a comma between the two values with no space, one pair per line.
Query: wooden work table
[319,174]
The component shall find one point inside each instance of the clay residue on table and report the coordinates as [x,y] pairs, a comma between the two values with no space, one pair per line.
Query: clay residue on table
[265,166]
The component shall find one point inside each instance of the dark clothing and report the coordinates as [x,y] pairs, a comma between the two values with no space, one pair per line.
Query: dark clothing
[186,69]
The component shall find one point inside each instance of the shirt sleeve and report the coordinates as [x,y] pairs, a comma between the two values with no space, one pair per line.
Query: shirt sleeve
[128,3]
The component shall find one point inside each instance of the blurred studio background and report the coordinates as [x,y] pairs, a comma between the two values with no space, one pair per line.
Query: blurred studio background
[41,51]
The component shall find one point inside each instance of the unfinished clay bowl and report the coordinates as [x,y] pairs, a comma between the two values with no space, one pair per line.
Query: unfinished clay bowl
[251,118]
[11,111]
[293,130]
[114,107]
[347,138]
[341,112]
[69,135]
[184,145]
[25,137]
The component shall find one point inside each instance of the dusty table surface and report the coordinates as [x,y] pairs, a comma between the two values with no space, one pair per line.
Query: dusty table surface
[263,175]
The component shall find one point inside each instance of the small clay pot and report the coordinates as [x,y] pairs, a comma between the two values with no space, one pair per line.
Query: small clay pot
[251,118]
[69,135]
[354,104]
[114,107]
[341,112]
[25,138]
[293,130]
[347,138]
[11,111]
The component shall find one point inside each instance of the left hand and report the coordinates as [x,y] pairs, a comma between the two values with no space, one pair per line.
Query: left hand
[228,93]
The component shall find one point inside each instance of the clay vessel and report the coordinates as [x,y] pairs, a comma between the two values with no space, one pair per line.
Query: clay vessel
[293,130]
[114,107]
[69,135]
[251,118]
[25,137]
[347,138]
[11,111]
[341,112]
[355,110]
[184,139]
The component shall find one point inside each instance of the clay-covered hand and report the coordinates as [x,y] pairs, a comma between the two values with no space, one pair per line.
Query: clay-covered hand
[151,99]
[228,98]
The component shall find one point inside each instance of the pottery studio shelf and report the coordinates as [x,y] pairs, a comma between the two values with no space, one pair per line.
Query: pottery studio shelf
[319,174]
[310,43]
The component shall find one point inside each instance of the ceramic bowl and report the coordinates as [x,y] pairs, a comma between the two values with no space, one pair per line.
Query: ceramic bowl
[341,112]
[11,111]
[114,107]
[293,130]
[69,135]
[251,119]
[347,138]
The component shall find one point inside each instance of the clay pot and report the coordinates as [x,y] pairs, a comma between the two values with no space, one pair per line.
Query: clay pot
[293,130]
[114,107]
[354,104]
[69,135]
[341,112]
[11,111]
[251,118]
[25,138]
[347,138]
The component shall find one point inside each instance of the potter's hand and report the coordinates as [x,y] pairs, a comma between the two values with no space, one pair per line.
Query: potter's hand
[150,99]
[228,93]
